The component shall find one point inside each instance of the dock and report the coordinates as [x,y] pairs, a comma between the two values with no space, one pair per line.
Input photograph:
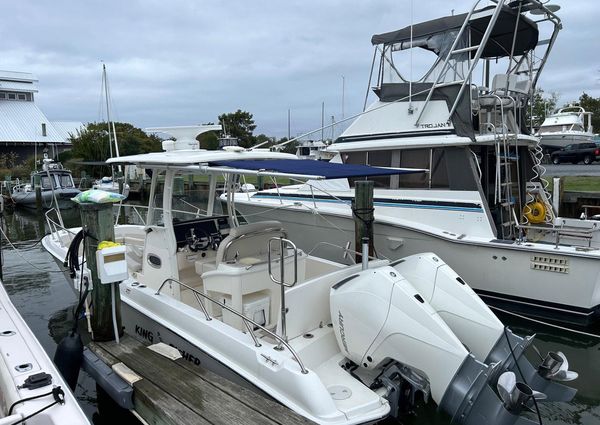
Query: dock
[176,392]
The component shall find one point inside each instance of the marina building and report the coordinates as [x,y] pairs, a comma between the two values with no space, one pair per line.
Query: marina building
[24,129]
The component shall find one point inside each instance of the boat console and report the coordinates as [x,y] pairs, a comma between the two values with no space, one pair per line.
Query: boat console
[201,233]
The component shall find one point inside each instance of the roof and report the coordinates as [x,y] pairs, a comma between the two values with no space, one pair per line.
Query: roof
[500,42]
[21,121]
[66,129]
[312,169]
[194,157]
[18,81]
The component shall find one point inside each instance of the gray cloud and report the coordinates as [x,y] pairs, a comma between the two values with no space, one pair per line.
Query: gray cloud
[185,61]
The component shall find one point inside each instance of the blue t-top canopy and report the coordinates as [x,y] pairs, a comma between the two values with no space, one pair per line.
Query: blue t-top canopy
[312,168]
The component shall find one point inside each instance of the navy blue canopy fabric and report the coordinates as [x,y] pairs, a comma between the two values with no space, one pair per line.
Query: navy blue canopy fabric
[309,167]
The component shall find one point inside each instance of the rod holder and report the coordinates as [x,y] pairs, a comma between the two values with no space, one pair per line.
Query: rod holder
[365,253]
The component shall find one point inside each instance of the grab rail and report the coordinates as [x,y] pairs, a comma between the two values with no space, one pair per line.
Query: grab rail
[245,319]
[283,245]
[56,227]
[346,250]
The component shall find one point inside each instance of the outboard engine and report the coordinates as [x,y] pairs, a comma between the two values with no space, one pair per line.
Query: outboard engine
[382,323]
[480,330]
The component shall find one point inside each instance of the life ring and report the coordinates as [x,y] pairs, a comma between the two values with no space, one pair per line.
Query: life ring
[535,212]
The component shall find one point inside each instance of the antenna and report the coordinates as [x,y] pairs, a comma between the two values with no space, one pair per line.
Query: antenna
[343,94]
[410,107]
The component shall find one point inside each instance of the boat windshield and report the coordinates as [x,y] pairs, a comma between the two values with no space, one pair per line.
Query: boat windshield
[190,198]
[45,180]
[66,180]
[433,159]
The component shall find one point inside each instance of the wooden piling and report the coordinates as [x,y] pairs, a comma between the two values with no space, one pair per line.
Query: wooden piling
[38,191]
[363,212]
[97,220]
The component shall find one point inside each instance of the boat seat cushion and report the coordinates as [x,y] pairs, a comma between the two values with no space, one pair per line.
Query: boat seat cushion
[249,241]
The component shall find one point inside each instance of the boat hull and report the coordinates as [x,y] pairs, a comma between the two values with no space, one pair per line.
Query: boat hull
[503,273]
[63,197]
[560,140]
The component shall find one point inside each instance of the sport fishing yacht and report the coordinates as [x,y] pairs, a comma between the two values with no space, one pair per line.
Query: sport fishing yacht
[569,125]
[243,300]
[482,205]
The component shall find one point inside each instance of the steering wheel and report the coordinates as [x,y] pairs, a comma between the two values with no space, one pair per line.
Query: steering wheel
[198,242]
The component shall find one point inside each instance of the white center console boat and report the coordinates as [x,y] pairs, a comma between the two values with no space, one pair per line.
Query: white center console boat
[337,343]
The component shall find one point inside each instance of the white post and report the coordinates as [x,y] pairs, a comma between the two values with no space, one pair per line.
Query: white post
[556,194]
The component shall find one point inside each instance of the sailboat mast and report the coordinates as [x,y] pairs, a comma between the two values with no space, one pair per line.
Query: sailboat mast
[110,123]
[105,84]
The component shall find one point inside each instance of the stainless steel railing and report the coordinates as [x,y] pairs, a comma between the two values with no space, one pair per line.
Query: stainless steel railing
[247,321]
[58,231]
[283,246]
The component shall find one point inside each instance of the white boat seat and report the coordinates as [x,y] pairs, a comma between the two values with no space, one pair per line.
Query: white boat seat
[492,101]
[249,241]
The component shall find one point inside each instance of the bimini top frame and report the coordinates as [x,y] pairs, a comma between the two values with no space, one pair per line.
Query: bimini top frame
[496,31]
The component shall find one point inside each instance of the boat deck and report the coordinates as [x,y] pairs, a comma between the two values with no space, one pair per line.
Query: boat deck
[178,392]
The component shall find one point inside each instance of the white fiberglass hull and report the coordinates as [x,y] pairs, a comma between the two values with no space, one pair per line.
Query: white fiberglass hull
[517,276]
[562,139]
[21,356]
[231,353]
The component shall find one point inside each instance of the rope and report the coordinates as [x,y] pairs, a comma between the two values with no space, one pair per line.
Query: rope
[25,259]
[57,393]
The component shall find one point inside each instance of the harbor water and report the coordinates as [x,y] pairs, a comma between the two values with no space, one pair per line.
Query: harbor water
[39,290]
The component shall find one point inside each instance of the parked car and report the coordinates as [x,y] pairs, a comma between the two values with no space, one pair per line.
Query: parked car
[575,153]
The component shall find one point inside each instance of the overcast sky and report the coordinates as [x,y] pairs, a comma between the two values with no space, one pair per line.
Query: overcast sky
[182,62]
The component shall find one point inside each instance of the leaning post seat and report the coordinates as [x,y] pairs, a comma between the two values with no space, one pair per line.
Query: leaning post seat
[248,241]
[241,277]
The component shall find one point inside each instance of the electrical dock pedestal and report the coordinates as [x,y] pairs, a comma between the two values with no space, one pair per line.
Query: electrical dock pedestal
[155,382]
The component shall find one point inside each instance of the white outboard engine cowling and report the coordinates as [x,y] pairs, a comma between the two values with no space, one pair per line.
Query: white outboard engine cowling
[379,315]
[381,321]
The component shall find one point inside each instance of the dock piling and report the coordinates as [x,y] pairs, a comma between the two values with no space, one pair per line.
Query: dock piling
[97,220]
[363,212]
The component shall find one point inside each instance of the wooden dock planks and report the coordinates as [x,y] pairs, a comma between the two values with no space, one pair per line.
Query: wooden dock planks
[176,392]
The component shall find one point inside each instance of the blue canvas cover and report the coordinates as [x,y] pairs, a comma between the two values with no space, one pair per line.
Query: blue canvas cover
[309,167]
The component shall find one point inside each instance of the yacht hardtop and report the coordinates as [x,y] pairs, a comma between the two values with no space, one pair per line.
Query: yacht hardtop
[244,301]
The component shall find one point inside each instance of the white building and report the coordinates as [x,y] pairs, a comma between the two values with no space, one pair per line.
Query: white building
[23,126]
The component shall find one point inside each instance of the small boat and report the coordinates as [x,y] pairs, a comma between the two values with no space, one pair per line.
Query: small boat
[572,124]
[31,388]
[107,184]
[56,183]
[243,301]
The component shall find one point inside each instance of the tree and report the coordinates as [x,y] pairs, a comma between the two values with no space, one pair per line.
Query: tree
[239,124]
[590,104]
[541,106]
[92,145]
[208,140]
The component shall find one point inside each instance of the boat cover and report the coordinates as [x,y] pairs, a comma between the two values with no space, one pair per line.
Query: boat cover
[311,168]
[501,38]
